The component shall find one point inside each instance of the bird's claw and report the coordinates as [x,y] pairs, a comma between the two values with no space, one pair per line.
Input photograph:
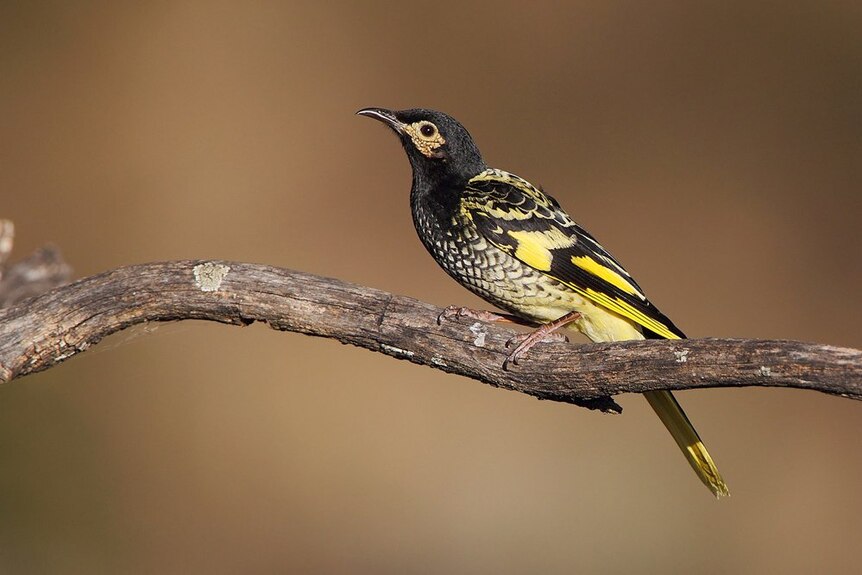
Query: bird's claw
[548,332]
[480,315]
[526,341]
[546,338]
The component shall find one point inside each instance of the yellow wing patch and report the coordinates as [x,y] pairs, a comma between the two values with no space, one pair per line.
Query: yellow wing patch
[534,247]
[627,310]
[590,265]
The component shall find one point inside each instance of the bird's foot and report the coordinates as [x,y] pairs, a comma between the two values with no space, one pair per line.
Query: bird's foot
[545,333]
[480,315]
[526,341]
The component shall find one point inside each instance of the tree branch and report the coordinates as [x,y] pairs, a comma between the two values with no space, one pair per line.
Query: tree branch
[39,333]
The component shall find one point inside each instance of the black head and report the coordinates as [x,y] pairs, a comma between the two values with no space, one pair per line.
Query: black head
[440,150]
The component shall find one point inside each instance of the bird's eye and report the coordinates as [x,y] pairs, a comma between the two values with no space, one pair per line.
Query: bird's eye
[428,129]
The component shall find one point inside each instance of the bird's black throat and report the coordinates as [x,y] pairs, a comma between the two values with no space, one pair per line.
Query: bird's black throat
[433,204]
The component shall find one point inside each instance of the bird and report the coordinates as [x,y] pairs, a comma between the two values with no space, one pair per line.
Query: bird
[513,245]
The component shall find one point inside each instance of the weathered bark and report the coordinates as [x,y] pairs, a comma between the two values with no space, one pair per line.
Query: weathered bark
[41,332]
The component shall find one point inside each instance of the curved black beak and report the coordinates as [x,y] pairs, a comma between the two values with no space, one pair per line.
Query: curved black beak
[385,116]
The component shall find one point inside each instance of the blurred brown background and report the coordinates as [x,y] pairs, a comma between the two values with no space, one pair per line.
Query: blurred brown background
[715,150]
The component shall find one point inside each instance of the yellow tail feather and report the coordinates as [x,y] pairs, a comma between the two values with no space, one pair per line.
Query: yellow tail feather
[674,418]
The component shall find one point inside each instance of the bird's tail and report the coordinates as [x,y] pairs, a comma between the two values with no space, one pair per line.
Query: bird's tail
[683,432]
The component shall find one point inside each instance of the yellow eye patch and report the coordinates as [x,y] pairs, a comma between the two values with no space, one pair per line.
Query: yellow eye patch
[426,137]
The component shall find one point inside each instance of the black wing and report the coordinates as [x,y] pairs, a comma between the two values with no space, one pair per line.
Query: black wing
[529,225]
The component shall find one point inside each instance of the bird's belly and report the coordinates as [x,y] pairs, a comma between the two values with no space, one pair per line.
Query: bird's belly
[495,276]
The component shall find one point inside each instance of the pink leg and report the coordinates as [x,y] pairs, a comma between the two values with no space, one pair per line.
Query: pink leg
[481,315]
[529,340]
